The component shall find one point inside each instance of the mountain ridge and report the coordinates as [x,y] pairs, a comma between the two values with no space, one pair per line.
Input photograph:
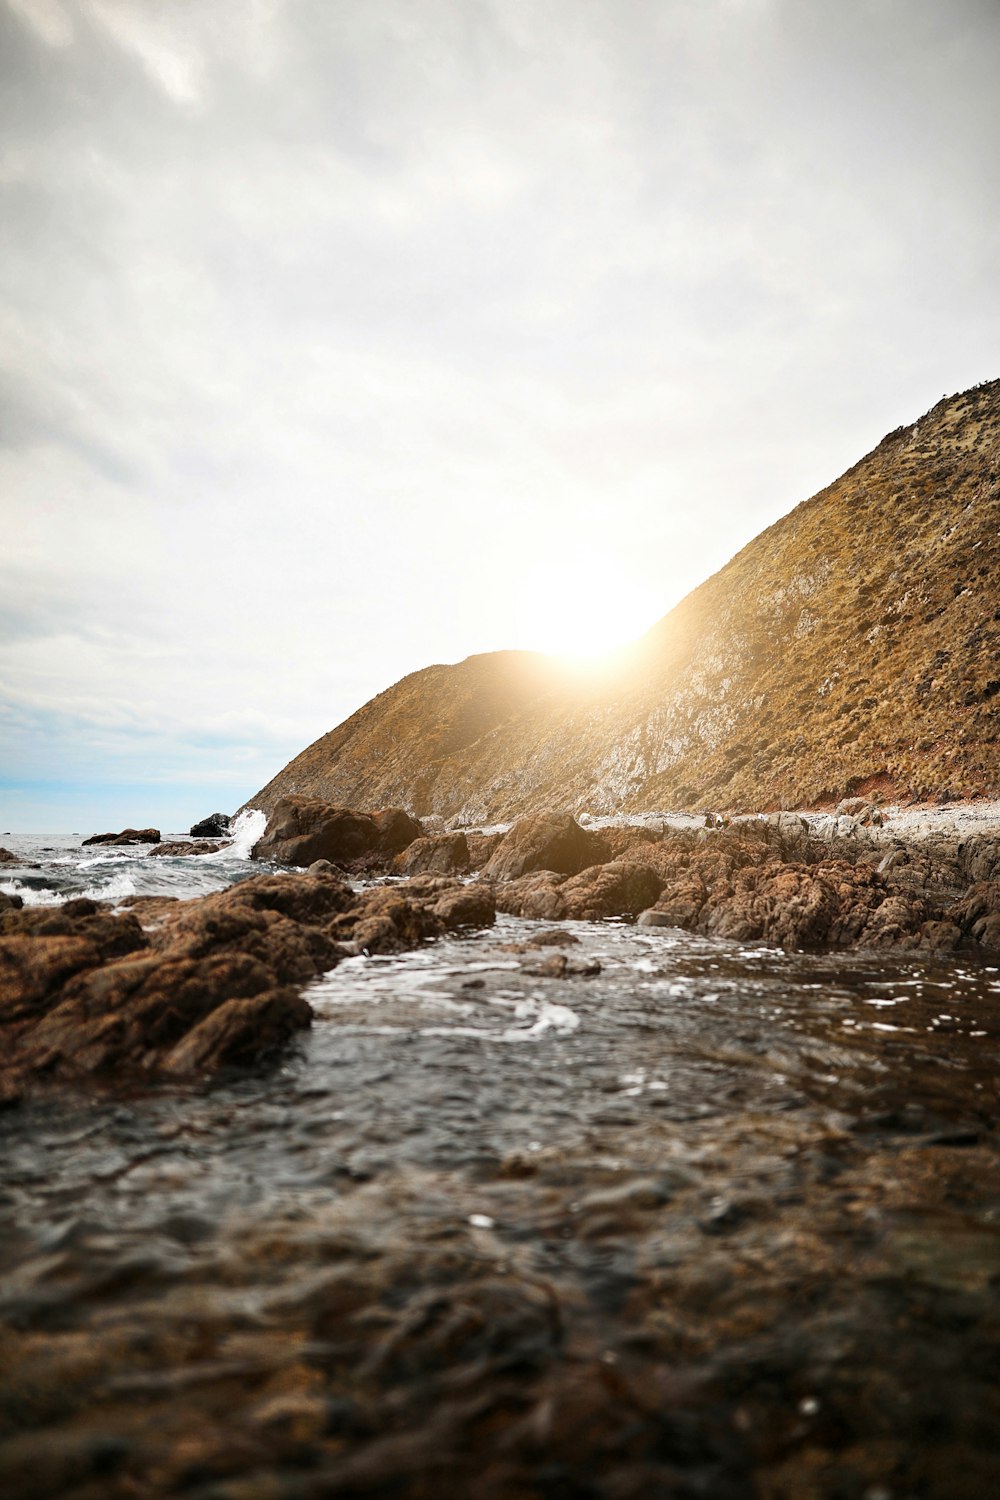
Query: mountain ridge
[853,645]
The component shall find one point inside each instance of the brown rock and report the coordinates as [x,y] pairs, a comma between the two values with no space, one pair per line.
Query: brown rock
[546,841]
[481,847]
[201,846]
[7,857]
[396,829]
[609,890]
[445,854]
[303,829]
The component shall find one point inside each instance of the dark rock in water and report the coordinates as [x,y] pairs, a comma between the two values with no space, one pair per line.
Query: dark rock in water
[444,854]
[127,836]
[10,902]
[202,846]
[7,858]
[214,827]
[322,867]
[304,829]
[546,841]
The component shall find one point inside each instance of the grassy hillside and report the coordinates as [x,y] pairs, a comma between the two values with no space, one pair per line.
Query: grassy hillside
[853,646]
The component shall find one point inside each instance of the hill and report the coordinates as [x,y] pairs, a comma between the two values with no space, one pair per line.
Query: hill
[853,646]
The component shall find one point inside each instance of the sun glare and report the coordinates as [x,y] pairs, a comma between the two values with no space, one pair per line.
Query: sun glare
[590,632]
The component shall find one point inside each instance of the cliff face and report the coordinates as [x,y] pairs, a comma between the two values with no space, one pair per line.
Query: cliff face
[853,646]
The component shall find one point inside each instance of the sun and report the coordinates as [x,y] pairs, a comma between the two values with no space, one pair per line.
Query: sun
[593,626]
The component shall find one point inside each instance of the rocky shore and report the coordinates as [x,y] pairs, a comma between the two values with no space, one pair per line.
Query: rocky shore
[166,989]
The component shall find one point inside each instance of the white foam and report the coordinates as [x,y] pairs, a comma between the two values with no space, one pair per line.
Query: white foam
[244,833]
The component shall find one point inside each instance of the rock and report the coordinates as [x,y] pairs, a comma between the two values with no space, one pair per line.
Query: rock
[444,854]
[202,846]
[546,841]
[9,858]
[10,901]
[322,867]
[559,966]
[303,829]
[216,826]
[653,918]
[610,890]
[481,847]
[127,836]
[396,829]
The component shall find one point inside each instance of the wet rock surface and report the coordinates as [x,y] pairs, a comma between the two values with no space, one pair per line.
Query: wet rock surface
[301,830]
[179,848]
[716,1221]
[176,987]
[216,826]
[126,837]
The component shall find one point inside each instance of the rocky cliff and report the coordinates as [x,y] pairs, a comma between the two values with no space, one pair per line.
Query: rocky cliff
[853,646]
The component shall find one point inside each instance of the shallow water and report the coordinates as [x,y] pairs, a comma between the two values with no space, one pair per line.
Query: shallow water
[717,1221]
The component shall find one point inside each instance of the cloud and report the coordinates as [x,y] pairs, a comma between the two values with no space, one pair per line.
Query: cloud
[335,340]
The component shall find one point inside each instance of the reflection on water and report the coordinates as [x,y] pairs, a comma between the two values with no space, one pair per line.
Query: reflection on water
[715,1221]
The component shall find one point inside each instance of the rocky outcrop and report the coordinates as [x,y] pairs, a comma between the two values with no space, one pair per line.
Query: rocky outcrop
[850,648]
[173,988]
[7,857]
[548,841]
[215,826]
[178,849]
[609,890]
[303,829]
[126,837]
[444,854]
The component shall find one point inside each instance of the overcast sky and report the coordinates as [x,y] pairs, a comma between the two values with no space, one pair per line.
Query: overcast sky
[339,337]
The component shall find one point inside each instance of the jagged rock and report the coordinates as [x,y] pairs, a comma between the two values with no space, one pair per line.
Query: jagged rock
[9,858]
[547,841]
[216,826]
[481,847]
[175,850]
[609,890]
[10,901]
[444,854]
[303,829]
[396,829]
[127,836]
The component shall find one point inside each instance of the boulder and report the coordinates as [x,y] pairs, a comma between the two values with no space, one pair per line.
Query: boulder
[216,826]
[610,890]
[201,846]
[7,857]
[546,841]
[444,854]
[396,829]
[127,836]
[481,847]
[303,829]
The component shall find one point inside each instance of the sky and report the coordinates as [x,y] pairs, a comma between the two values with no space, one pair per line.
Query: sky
[342,337]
